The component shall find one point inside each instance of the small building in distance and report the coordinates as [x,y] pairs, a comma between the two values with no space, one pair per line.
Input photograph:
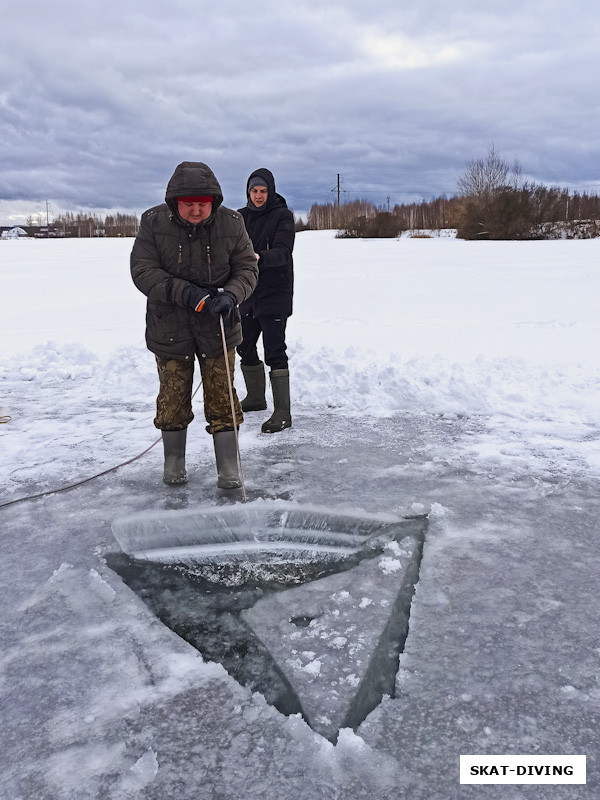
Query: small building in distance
[14,233]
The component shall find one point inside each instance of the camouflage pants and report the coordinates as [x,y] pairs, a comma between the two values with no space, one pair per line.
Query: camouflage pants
[174,401]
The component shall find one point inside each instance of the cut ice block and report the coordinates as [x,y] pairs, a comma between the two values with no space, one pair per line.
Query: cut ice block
[252,531]
[337,639]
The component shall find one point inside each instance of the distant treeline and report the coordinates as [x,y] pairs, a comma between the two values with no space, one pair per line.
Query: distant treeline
[523,211]
[493,202]
[527,212]
[84,225]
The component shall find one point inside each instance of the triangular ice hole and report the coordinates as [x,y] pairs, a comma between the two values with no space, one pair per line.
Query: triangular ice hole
[316,631]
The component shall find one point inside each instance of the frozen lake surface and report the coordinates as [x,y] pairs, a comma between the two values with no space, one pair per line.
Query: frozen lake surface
[483,415]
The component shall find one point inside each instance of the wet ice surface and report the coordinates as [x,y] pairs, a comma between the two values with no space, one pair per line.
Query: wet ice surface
[101,700]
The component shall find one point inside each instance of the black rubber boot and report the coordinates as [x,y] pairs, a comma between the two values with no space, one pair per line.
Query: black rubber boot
[174,445]
[227,460]
[255,386]
[281,417]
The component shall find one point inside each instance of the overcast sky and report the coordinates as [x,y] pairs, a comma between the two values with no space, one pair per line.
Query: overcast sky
[99,102]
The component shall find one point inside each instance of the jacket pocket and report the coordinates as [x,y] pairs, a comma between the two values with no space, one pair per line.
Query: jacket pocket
[163,323]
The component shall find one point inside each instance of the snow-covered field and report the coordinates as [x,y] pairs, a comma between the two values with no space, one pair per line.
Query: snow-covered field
[428,375]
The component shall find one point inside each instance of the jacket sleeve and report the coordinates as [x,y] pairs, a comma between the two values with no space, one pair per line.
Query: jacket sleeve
[243,263]
[146,268]
[279,250]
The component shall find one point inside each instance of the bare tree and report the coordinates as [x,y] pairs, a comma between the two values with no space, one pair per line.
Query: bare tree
[485,177]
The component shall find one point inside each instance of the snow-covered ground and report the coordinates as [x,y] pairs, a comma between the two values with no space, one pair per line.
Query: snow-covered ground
[428,375]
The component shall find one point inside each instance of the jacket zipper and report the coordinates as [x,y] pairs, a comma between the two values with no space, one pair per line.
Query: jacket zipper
[208,261]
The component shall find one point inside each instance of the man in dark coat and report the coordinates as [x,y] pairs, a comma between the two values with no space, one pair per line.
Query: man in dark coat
[270,225]
[194,261]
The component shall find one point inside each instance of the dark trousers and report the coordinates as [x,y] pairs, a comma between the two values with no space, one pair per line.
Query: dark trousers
[174,401]
[273,337]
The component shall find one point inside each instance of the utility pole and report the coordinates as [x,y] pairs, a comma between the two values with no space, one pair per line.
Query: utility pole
[338,189]
[47,214]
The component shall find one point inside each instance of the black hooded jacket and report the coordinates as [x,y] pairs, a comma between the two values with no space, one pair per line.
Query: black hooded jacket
[272,231]
[169,254]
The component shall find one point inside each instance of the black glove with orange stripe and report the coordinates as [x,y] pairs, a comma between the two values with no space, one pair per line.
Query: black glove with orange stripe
[196,296]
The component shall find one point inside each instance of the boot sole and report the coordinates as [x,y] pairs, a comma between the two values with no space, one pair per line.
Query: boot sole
[175,481]
[225,483]
[284,427]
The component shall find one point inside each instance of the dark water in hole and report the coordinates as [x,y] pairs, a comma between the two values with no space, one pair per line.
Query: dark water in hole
[207,614]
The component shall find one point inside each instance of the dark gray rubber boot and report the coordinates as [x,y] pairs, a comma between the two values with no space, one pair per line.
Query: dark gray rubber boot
[281,417]
[174,445]
[254,378]
[227,461]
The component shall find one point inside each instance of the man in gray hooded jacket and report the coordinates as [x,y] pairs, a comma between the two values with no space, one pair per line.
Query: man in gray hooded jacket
[194,261]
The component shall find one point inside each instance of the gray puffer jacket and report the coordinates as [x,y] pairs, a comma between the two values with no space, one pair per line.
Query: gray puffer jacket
[170,253]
